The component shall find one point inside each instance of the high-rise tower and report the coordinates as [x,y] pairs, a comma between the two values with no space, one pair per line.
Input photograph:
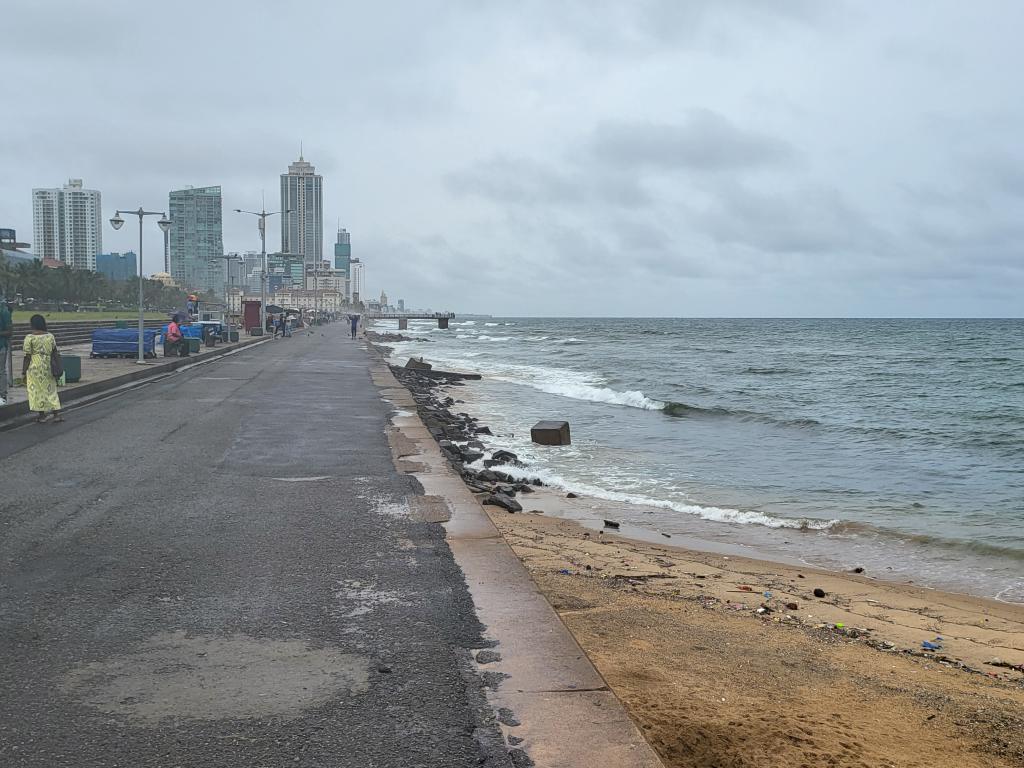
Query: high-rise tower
[67,224]
[196,239]
[302,217]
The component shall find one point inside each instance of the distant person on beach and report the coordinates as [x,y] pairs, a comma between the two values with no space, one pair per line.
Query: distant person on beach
[6,331]
[36,368]
[354,319]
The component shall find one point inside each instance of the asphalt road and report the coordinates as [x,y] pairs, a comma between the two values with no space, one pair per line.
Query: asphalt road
[219,569]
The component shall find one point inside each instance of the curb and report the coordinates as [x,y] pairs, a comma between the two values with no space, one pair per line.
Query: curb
[13,416]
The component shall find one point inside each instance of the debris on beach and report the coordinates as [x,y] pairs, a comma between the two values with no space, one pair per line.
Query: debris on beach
[819,592]
[611,524]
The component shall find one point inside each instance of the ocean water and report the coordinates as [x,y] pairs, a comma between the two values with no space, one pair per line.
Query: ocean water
[894,445]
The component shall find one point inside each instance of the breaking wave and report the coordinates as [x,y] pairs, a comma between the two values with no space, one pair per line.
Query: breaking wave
[716,514]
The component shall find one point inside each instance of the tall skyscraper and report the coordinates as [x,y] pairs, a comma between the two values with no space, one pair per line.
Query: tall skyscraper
[196,239]
[343,250]
[355,280]
[67,224]
[302,230]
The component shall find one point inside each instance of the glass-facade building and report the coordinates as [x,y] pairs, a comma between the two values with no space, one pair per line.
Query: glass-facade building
[302,227]
[343,250]
[117,266]
[196,239]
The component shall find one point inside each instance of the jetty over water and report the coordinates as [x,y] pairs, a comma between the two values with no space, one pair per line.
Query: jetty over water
[403,318]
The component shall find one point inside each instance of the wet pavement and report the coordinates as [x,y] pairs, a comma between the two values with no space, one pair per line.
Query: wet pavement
[221,569]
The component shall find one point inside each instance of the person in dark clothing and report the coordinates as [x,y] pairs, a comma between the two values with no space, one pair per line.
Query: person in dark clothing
[354,319]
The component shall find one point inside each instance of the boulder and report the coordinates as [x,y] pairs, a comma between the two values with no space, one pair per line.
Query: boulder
[418,365]
[504,457]
[503,501]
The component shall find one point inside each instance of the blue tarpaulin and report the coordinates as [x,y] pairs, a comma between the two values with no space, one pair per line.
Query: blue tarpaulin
[122,341]
[188,331]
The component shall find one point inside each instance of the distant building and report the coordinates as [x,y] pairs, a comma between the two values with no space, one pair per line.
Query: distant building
[196,239]
[327,280]
[117,266]
[165,278]
[67,224]
[285,269]
[11,249]
[343,250]
[401,305]
[296,298]
[302,229]
[355,280]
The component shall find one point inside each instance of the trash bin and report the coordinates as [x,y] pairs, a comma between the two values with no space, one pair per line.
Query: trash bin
[224,336]
[234,335]
[72,368]
[193,345]
[211,340]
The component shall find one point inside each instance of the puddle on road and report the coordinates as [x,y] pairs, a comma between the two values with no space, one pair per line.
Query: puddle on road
[212,678]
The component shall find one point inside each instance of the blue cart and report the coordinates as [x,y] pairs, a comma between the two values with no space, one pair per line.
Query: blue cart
[122,342]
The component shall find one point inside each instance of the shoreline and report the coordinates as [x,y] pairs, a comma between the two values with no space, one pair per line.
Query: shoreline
[889,555]
[503,486]
[717,672]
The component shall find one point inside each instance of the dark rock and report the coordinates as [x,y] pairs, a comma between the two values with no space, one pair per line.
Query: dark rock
[418,365]
[506,717]
[515,741]
[504,457]
[384,669]
[524,489]
[858,569]
[488,476]
[819,592]
[503,501]
[520,759]
[792,606]
[488,657]
[611,524]
[537,482]
[571,495]
[483,431]
[471,456]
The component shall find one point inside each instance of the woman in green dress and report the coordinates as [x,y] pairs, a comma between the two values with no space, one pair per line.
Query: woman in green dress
[42,387]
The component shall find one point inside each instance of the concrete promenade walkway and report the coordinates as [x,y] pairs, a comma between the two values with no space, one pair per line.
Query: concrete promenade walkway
[219,569]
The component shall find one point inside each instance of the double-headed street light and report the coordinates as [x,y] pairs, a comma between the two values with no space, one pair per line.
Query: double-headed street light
[263,253]
[165,224]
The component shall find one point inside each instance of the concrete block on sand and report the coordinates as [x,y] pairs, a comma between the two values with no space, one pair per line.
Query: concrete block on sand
[418,365]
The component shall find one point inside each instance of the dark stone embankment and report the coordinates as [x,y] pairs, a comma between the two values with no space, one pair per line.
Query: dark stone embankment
[458,435]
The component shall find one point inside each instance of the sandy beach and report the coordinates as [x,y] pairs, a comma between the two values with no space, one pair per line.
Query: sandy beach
[839,680]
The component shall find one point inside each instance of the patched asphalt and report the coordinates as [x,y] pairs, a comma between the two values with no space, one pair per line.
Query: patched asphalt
[220,569]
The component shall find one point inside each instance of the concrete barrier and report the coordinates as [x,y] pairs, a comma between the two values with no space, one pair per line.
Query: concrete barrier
[550,433]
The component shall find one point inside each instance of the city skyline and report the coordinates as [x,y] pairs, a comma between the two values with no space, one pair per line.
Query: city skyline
[685,149]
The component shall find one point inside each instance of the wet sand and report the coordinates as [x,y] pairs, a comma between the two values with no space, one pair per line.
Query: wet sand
[840,680]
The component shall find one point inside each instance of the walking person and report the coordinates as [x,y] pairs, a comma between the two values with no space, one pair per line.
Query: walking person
[6,331]
[354,320]
[277,326]
[38,369]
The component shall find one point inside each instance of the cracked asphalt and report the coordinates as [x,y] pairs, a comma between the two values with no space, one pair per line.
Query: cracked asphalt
[220,569]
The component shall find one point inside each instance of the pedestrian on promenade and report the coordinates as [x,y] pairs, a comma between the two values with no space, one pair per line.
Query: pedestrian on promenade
[286,330]
[277,326]
[354,320]
[37,370]
[6,331]
[173,342]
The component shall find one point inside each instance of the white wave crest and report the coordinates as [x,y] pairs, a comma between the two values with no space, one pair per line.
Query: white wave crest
[716,514]
[594,394]
[492,325]
[484,337]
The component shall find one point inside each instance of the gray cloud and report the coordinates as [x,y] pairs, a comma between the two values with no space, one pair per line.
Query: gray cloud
[706,141]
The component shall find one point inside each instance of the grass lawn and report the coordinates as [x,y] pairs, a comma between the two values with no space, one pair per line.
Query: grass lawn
[56,317]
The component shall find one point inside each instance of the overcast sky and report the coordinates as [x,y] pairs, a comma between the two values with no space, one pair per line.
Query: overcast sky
[559,157]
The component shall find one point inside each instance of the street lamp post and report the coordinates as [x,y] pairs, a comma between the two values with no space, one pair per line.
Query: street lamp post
[229,259]
[165,224]
[262,214]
